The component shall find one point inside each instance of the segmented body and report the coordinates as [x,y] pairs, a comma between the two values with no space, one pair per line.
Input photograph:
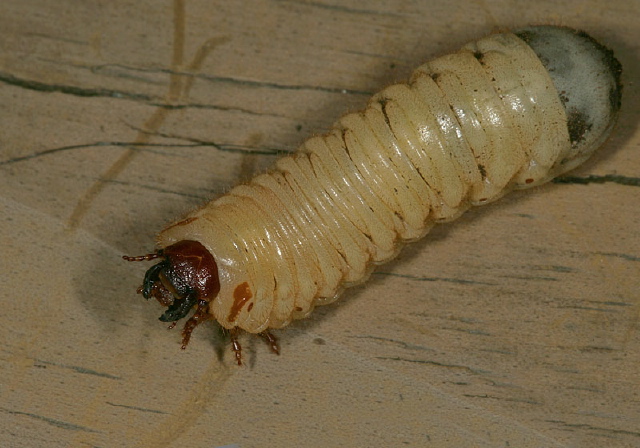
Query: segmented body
[467,128]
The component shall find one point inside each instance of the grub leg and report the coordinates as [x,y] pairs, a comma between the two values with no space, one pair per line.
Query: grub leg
[235,344]
[198,317]
[271,340]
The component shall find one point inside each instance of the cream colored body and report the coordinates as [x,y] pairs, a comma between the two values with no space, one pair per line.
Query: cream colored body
[460,133]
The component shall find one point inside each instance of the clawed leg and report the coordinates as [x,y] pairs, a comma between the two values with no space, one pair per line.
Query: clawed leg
[235,345]
[198,317]
[271,340]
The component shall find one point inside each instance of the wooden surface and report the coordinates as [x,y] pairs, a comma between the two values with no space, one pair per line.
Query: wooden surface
[516,326]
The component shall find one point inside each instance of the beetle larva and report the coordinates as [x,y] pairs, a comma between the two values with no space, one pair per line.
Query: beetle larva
[512,110]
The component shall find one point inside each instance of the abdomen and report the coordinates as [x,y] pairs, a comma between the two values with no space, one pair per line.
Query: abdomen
[502,113]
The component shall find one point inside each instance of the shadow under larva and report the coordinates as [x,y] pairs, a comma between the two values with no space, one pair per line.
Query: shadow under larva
[511,110]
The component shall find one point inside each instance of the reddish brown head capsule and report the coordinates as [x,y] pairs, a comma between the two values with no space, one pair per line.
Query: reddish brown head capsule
[186,276]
